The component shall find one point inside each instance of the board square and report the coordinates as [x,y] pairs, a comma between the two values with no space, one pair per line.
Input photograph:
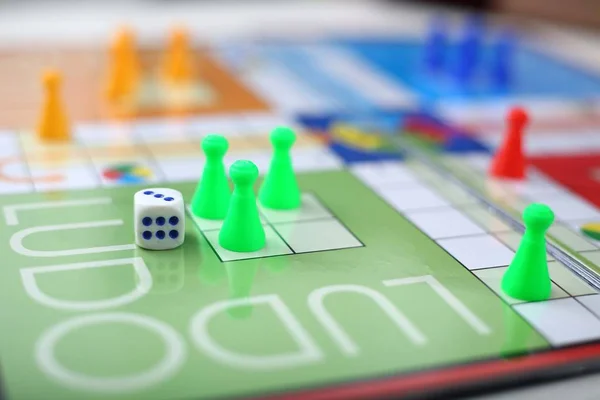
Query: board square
[444,223]
[382,174]
[412,198]
[476,252]
[275,247]
[304,237]
[492,277]
[485,218]
[561,321]
[310,209]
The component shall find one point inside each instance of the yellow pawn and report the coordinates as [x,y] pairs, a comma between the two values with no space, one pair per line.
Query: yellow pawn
[124,67]
[53,124]
[178,62]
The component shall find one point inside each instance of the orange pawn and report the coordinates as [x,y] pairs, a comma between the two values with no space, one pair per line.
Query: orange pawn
[53,124]
[124,66]
[178,62]
[509,160]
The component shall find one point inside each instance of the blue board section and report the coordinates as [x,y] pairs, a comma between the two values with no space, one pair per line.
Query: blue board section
[533,74]
[297,60]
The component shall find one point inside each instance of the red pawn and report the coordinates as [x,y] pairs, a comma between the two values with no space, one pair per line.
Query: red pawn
[509,160]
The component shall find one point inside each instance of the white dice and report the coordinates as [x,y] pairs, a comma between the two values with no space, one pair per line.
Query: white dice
[159,218]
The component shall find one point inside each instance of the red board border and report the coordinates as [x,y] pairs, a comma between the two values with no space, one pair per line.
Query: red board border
[553,363]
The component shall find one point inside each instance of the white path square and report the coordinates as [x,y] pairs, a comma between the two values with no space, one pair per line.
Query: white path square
[592,302]
[444,223]
[310,209]
[382,174]
[412,198]
[181,168]
[49,178]
[476,252]
[274,247]
[315,159]
[310,236]
[561,321]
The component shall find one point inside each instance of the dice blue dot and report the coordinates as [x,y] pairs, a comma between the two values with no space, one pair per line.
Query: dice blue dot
[147,235]
[160,234]
[158,195]
[147,221]
[173,220]
[169,199]
[173,234]
[160,221]
[148,192]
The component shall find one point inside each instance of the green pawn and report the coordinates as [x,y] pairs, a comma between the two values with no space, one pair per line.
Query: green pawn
[280,190]
[242,230]
[211,198]
[527,277]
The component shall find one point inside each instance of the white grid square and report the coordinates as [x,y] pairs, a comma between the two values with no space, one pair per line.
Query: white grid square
[485,218]
[492,277]
[410,198]
[561,321]
[275,246]
[592,302]
[381,174]
[315,159]
[310,209]
[304,237]
[179,169]
[476,252]
[79,176]
[444,223]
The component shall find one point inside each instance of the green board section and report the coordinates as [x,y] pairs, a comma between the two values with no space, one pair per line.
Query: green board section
[83,317]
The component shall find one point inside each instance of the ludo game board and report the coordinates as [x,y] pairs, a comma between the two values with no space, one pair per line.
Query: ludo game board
[385,282]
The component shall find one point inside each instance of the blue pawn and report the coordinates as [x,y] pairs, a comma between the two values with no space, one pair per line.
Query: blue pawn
[436,44]
[469,49]
[502,59]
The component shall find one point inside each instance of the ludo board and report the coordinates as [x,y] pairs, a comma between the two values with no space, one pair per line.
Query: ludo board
[385,281]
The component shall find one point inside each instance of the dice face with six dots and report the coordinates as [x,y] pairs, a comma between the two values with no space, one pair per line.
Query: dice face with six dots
[159,218]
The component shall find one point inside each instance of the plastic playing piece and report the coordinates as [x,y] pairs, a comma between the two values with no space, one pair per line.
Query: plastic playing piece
[178,67]
[469,49]
[527,277]
[280,189]
[502,59]
[53,124]
[124,66]
[211,199]
[242,230]
[509,160]
[436,44]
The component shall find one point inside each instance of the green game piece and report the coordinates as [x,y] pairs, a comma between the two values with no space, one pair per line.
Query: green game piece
[211,198]
[242,230]
[280,190]
[527,277]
